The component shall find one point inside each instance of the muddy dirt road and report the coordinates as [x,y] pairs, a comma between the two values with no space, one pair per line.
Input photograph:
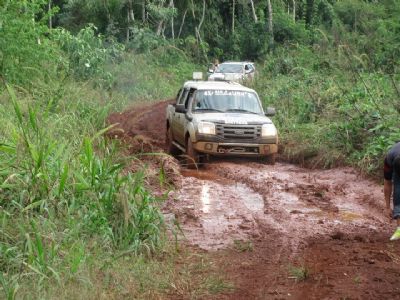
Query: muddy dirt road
[280,232]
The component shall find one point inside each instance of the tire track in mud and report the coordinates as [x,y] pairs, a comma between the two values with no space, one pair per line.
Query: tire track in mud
[263,218]
[296,203]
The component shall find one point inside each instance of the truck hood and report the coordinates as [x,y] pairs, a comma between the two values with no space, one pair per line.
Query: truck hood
[232,118]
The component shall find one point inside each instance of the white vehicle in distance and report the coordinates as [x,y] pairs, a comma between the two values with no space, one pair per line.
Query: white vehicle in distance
[232,71]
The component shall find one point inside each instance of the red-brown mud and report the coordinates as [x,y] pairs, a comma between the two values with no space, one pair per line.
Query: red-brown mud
[279,232]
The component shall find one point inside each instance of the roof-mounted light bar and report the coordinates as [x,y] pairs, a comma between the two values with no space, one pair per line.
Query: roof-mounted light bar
[197,75]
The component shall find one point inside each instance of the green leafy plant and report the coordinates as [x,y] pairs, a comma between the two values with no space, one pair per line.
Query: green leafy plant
[86,52]
[299,273]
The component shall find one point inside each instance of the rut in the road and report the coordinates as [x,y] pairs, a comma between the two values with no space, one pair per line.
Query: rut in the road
[250,200]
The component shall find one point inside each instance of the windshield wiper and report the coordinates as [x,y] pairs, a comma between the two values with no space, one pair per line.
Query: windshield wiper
[208,109]
[242,110]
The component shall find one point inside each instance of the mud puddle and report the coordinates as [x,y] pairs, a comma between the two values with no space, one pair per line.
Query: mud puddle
[213,214]
[226,202]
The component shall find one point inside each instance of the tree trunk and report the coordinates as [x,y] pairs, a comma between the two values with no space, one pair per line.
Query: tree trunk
[197,29]
[233,16]
[253,10]
[130,19]
[183,22]
[294,10]
[105,3]
[270,25]
[194,16]
[160,27]
[127,29]
[309,12]
[201,21]
[171,4]
[50,16]
[144,11]
[131,14]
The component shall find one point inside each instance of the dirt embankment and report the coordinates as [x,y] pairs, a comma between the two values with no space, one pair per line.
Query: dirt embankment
[277,232]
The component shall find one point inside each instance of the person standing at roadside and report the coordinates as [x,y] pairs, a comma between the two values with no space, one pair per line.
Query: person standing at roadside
[215,64]
[391,172]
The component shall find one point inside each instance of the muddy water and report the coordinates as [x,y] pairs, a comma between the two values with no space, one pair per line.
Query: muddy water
[215,214]
[228,201]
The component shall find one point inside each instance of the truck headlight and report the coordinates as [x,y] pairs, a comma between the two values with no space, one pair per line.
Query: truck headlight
[206,128]
[268,130]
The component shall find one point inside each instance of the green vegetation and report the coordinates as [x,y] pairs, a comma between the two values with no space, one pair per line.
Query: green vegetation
[242,246]
[70,216]
[299,273]
[73,221]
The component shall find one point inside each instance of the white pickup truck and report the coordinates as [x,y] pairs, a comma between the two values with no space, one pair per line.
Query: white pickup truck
[220,118]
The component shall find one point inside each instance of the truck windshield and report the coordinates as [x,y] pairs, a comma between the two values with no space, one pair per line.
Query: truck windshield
[229,68]
[226,101]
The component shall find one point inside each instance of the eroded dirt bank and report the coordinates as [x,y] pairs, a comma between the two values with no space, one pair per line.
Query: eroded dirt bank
[279,232]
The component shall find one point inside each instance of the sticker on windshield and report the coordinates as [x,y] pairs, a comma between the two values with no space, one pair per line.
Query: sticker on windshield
[224,93]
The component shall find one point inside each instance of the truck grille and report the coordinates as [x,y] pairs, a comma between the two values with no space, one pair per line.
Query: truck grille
[238,132]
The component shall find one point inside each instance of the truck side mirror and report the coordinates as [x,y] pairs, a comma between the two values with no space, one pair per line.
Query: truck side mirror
[270,111]
[180,109]
[189,116]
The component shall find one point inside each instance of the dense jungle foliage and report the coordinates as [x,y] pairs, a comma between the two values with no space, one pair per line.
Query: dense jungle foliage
[330,67]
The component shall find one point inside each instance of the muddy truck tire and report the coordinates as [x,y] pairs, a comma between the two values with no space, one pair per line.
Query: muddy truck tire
[193,158]
[270,159]
[171,148]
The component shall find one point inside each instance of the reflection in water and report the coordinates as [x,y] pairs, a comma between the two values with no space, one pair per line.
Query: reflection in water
[253,201]
[205,198]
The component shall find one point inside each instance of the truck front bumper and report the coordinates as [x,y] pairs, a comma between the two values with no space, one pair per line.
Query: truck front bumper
[216,148]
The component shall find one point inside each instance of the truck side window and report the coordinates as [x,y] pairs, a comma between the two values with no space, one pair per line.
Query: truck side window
[183,97]
[178,95]
[189,98]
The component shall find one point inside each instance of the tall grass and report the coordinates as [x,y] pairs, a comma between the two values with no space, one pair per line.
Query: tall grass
[74,223]
[61,184]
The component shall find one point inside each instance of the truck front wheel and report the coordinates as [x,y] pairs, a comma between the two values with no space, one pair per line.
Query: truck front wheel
[171,149]
[269,159]
[192,155]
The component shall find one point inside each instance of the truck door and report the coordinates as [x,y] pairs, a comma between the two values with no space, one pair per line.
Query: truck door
[173,117]
[179,110]
[180,115]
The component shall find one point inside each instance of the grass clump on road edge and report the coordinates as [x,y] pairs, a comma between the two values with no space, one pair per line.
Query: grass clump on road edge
[299,273]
